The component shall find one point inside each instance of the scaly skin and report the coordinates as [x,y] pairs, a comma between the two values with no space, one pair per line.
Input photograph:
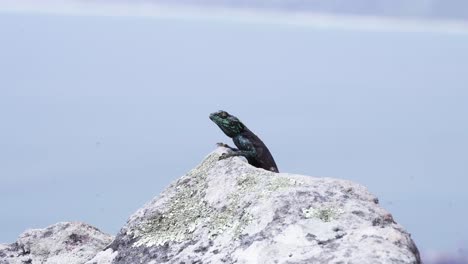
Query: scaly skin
[248,144]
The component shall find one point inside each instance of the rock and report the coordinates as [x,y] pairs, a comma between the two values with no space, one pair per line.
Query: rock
[230,212]
[66,242]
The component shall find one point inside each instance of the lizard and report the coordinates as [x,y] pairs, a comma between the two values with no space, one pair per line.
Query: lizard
[248,144]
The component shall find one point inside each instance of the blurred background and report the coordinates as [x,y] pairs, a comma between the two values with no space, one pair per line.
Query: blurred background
[104,103]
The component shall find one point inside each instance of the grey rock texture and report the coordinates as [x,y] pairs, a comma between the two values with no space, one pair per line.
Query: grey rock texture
[230,212]
[66,242]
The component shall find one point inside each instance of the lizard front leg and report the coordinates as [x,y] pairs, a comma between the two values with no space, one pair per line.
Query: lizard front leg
[221,144]
[246,149]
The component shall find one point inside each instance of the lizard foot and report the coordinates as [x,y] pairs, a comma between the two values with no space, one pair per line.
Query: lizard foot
[221,144]
[224,156]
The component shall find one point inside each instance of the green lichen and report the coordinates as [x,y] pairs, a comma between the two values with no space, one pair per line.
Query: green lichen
[187,210]
[278,183]
[247,182]
[325,213]
[231,216]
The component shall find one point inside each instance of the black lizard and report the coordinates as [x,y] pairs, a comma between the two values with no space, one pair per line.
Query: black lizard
[249,145]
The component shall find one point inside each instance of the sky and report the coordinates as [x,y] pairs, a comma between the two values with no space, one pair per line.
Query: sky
[100,113]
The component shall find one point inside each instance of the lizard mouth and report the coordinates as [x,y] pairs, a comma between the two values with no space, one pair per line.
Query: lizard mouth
[212,116]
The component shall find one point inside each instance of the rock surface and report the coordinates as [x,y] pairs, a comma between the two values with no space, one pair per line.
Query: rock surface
[66,242]
[230,212]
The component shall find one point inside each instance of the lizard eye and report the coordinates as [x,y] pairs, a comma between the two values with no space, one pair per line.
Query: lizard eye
[223,114]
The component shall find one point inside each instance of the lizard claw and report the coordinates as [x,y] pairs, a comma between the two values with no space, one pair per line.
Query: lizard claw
[221,144]
[223,156]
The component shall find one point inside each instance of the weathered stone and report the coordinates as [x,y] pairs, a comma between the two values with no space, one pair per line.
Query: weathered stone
[66,242]
[230,212]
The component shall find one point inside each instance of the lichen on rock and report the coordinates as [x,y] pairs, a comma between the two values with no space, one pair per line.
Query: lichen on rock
[227,211]
[64,242]
[188,209]
[326,213]
[184,211]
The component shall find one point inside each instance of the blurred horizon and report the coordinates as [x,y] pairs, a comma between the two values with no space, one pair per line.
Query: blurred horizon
[415,9]
[320,13]
[419,9]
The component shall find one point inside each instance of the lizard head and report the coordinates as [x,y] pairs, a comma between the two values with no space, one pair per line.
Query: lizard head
[230,125]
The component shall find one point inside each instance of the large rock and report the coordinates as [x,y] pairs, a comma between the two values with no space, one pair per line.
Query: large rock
[62,243]
[230,212]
